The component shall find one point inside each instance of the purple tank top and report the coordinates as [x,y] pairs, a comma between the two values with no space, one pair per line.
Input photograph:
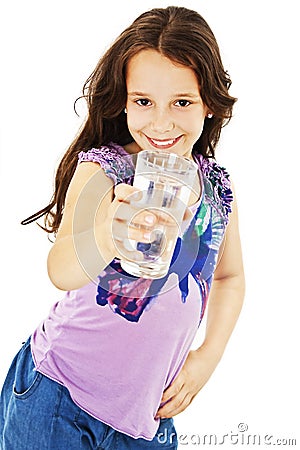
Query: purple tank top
[119,342]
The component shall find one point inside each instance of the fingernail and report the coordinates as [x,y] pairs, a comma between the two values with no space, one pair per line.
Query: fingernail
[149,219]
[136,195]
[147,235]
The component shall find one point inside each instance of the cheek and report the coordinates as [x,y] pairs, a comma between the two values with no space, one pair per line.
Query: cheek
[193,126]
[135,121]
[200,128]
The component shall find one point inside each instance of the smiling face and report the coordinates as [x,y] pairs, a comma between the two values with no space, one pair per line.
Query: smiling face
[164,107]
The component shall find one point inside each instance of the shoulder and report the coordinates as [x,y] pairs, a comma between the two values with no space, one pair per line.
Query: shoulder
[107,153]
[114,160]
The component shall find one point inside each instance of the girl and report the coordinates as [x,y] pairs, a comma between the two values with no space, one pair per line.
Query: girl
[111,364]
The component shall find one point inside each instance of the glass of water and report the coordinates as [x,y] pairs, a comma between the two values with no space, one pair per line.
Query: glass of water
[166,181]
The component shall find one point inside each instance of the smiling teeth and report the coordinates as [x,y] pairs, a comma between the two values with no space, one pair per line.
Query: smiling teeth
[162,143]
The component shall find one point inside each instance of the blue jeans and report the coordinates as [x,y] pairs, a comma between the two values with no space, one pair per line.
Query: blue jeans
[36,413]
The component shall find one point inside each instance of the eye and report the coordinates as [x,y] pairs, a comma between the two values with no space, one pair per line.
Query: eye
[182,103]
[143,102]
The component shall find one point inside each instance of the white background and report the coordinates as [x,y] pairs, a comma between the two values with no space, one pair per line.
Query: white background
[48,50]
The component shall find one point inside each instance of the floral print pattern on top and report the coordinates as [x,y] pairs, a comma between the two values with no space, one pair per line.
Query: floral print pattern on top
[195,254]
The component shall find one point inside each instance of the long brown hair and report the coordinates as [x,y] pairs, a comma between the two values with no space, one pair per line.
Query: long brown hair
[184,37]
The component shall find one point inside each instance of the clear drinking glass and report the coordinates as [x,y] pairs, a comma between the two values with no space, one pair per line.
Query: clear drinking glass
[166,181]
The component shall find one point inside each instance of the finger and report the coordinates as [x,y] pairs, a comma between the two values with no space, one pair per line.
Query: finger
[121,231]
[174,405]
[129,195]
[185,403]
[131,212]
[126,224]
[138,218]
[166,218]
[126,193]
[173,389]
[179,409]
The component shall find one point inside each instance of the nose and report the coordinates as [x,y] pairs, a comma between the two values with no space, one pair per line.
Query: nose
[162,121]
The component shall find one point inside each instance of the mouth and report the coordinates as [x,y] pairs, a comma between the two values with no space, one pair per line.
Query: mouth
[163,143]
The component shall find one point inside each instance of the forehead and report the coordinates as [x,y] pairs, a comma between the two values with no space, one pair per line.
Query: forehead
[149,68]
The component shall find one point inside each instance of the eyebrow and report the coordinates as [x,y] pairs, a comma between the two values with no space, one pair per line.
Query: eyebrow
[180,94]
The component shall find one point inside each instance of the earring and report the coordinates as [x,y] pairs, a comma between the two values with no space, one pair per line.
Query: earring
[125,110]
[209,115]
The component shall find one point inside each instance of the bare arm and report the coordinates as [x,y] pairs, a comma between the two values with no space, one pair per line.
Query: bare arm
[227,291]
[94,225]
[74,259]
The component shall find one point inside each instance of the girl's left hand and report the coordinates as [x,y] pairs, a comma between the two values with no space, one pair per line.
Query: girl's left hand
[195,372]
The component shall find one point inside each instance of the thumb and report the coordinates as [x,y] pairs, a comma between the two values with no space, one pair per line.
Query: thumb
[125,192]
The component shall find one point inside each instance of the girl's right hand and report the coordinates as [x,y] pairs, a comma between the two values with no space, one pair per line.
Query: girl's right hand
[123,221]
[96,221]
